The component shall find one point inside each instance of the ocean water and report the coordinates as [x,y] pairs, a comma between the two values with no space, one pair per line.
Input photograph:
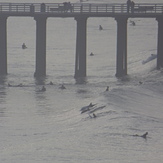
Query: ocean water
[48,127]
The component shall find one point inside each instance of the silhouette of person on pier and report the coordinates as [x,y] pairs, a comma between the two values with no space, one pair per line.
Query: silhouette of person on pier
[67,6]
[32,8]
[43,7]
[128,5]
[132,6]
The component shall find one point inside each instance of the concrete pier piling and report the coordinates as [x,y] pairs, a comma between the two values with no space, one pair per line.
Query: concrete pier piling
[3,45]
[121,67]
[40,46]
[160,43]
[80,60]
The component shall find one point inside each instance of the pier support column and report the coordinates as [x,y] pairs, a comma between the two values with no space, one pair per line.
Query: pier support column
[3,45]
[121,67]
[80,60]
[40,46]
[160,43]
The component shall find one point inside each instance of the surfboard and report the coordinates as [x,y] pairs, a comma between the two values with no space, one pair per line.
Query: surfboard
[86,107]
[96,108]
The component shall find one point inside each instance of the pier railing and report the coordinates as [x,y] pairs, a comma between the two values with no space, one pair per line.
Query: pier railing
[78,8]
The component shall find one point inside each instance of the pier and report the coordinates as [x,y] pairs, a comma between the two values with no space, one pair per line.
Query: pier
[80,12]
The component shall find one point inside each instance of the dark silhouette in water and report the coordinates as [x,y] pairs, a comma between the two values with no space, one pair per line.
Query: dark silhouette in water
[91,105]
[62,87]
[132,23]
[19,85]
[91,54]
[51,83]
[87,108]
[143,136]
[24,46]
[107,88]
[9,85]
[140,82]
[100,27]
[43,89]
[94,115]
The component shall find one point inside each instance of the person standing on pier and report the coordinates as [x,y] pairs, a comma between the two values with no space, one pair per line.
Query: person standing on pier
[132,7]
[128,5]
[43,7]
[32,8]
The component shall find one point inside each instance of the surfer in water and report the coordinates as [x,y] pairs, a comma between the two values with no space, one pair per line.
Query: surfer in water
[24,46]
[51,83]
[132,23]
[19,85]
[100,27]
[140,82]
[62,87]
[91,105]
[9,85]
[87,108]
[94,115]
[107,88]
[43,89]
[143,136]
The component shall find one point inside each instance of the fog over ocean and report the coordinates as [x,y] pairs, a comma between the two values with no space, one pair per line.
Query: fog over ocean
[48,127]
